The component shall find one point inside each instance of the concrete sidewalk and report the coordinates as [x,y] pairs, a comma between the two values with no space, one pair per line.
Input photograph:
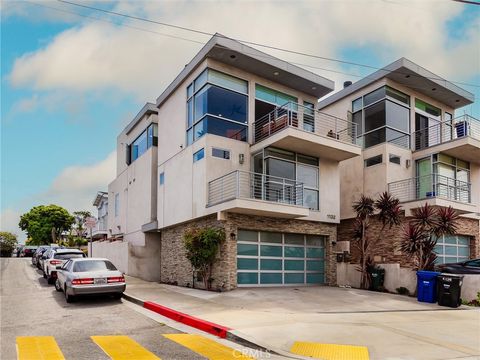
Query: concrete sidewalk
[391,326]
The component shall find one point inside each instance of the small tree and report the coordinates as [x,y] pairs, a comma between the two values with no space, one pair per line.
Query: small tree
[45,223]
[80,220]
[421,233]
[202,247]
[8,242]
[389,211]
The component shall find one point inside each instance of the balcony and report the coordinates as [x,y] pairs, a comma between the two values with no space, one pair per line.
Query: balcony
[300,129]
[257,194]
[434,189]
[459,138]
[100,229]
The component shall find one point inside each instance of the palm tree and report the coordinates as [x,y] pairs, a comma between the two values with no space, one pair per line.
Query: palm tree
[422,231]
[389,211]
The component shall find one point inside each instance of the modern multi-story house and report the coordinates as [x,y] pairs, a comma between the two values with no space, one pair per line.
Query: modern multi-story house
[100,231]
[415,147]
[235,141]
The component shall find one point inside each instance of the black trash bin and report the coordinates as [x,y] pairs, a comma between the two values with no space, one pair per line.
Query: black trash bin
[378,277]
[449,287]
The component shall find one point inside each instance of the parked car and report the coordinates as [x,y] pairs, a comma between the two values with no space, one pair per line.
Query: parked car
[463,267]
[28,251]
[39,252]
[56,257]
[89,276]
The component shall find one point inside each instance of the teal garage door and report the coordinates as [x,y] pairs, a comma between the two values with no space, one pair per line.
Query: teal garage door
[279,259]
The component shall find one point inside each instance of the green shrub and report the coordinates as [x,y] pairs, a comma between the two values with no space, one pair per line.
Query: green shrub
[202,247]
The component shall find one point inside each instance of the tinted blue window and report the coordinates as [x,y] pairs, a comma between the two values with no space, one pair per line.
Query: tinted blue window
[162,178]
[223,128]
[199,155]
[222,103]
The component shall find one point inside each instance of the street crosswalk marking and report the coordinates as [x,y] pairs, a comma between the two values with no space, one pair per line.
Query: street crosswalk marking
[209,348]
[38,348]
[330,351]
[120,347]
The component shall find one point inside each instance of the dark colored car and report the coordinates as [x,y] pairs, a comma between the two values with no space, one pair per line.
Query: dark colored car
[39,252]
[464,267]
[28,251]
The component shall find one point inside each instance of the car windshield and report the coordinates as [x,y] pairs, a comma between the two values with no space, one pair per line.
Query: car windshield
[66,256]
[93,265]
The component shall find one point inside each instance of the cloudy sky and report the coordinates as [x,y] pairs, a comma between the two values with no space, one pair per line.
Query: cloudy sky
[72,77]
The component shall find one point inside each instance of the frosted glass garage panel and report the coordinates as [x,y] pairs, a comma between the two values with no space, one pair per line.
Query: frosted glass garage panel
[247,249]
[247,264]
[294,278]
[269,264]
[271,237]
[247,278]
[315,278]
[270,250]
[246,235]
[294,251]
[295,265]
[315,253]
[270,278]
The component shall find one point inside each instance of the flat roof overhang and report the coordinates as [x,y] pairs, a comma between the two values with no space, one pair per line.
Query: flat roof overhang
[409,74]
[308,143]
[460,207]
[466,148]
[254,61]
[260,208]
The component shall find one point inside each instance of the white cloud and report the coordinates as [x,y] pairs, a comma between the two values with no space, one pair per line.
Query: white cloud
[9,219]
[74,189]
[96,55]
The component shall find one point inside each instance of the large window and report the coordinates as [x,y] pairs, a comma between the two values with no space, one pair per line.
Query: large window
[147,139]
[441,175]
[217,104]
[266,100]
[382,116]
[289,165]
[452,249]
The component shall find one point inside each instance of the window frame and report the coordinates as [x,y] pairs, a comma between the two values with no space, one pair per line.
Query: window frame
[190,137]
[386,97]
[365,161]
[225,151]
[198,155]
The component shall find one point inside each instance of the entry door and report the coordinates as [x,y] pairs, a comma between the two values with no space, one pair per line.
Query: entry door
[279,259]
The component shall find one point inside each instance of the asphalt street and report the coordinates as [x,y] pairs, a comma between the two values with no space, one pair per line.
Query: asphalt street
[31,307]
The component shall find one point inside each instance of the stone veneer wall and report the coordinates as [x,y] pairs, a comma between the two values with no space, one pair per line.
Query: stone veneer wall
[177,269]
[387,249]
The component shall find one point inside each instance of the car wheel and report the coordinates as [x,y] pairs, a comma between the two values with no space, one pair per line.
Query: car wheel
[50,280]
[117,296]
[44,275]
[68,298]
[57,285]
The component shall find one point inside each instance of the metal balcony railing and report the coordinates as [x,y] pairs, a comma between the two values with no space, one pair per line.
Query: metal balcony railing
[431,186]
[305,119]
[442,132]
[248,185]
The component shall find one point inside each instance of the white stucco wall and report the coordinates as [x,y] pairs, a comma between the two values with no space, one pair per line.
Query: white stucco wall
[116,252]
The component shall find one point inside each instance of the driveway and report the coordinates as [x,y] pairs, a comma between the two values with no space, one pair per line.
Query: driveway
[391,326]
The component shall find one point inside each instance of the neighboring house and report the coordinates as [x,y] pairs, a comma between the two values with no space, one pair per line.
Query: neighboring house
[235,141]
[415,147]
[100,231]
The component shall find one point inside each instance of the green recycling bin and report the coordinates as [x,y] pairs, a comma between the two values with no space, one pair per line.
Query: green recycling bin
[377,275]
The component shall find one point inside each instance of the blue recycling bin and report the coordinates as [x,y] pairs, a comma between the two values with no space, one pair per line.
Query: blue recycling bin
[427,286]
[462,129]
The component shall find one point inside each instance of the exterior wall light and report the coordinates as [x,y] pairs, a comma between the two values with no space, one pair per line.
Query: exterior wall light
[241,158]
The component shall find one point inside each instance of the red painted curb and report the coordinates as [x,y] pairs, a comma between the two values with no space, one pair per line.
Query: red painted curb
[207,326]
